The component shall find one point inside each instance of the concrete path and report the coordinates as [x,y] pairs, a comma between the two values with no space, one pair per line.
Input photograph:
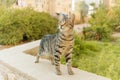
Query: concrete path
[117,34]
[17,61]
[79,28]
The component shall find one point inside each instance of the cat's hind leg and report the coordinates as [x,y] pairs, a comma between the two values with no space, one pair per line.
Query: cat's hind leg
[37,58]
[52,60]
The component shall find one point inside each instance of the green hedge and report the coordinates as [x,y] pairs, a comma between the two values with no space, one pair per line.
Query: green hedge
[18,25]
[100,33]
[100,26]
[82,47]
[113,20]
[103,22]
[7,3]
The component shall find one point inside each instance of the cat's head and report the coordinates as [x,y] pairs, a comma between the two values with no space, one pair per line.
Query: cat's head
[65,22]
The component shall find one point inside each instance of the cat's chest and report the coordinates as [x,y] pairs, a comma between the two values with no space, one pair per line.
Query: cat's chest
[65,47]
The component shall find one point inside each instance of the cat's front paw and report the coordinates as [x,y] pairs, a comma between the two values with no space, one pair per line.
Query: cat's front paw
[59,73]
[36,61]
[70,72]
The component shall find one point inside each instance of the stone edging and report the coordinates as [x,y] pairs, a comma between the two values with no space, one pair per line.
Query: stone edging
[15,73]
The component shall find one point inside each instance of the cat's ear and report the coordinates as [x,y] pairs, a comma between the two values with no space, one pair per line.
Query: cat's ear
[58,15]
[72,17]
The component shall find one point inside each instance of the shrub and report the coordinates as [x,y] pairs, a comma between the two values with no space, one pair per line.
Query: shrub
[99,29]
[82,9]
[103,16]
[88,33]
[82,47]
[17,25]
[113,20]
[97,33]
[7,3]
[99,17]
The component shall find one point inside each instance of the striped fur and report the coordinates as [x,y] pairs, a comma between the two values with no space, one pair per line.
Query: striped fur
[59,44]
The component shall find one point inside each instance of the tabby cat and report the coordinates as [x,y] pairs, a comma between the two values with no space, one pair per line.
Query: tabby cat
[60,43]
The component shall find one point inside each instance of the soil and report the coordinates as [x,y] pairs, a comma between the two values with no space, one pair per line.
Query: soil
[4,47]
[32,51]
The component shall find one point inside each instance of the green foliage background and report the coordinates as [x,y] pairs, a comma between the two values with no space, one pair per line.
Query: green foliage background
[101,58]
[7,2]
[103,23]
[82,8]
[18,25]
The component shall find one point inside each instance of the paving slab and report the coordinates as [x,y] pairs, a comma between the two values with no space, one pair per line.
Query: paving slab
[116,34]
[15,59]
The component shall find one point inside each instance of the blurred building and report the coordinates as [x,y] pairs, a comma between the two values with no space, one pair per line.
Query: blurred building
[92,4]
[50,6]
[64,6]
[109,3]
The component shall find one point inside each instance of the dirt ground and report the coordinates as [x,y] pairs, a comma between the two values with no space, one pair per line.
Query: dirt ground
[32,51]
[4,47]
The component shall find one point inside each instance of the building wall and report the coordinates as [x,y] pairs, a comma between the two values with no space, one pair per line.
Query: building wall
[63,6]
[41,5]
[110,3]
[22,3]
[50,6]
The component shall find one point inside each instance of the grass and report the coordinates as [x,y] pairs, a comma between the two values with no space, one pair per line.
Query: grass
[102,58]
[105,62]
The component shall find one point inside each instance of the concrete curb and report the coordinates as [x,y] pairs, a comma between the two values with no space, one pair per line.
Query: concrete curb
[24,65]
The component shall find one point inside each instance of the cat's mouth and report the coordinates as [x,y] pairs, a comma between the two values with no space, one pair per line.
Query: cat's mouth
[60,28]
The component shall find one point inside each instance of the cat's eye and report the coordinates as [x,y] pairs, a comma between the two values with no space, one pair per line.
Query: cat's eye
[61,27]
